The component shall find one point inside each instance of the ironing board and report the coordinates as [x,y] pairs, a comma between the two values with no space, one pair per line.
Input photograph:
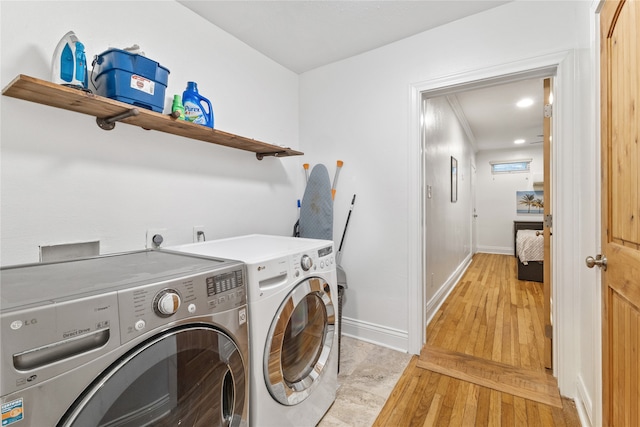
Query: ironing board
[316,209]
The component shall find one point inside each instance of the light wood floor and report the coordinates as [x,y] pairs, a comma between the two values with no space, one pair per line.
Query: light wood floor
[483,363]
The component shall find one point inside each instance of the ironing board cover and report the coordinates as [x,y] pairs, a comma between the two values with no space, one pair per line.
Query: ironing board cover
[316,209]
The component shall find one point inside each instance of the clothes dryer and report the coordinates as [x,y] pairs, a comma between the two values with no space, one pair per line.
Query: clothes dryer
[293,305]
[138,339]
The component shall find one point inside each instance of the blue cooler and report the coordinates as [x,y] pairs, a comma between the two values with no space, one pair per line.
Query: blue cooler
[130,78]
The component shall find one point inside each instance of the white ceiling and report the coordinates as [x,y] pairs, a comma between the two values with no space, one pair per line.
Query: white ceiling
[303,35]
[495,120]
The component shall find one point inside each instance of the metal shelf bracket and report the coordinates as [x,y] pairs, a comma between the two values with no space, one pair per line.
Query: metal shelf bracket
[110,122]
[261,156]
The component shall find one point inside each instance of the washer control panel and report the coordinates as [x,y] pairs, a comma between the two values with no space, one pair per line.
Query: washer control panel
[57,316]
[147,307]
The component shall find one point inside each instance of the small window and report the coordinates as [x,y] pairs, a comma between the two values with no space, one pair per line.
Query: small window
[510,166]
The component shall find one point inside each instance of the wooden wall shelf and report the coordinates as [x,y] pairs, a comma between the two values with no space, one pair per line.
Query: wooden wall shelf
[105,110]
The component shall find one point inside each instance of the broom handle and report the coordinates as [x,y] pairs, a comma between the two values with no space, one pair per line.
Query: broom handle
[347,223]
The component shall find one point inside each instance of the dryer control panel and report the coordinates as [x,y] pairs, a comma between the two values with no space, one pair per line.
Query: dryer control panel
[319,260]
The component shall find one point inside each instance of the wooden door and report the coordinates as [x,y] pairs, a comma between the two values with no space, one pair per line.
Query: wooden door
[620,108]
[548,231]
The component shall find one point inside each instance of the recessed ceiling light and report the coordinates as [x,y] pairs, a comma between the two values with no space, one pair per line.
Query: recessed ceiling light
[519,141]
[525,102]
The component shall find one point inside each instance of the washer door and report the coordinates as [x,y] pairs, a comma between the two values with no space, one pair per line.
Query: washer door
[299,342]
[192,376]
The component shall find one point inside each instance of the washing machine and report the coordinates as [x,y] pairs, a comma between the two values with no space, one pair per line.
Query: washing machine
[142,338]
[293,305]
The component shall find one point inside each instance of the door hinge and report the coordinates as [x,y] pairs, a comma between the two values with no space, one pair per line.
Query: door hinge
[548,111]
[548,331]
[548,221]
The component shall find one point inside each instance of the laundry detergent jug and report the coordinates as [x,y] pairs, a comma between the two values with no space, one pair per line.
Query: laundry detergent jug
[197,108]
[69,64]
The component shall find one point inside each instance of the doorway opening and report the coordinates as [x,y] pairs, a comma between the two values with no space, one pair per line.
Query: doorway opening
[478,125]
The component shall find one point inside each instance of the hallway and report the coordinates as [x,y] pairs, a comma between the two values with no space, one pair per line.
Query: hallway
[489,331]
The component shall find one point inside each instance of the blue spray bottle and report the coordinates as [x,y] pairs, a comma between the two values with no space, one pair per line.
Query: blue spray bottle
[197,108]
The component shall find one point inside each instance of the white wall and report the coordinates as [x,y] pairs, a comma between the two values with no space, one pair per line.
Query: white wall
[496,202]
[66,180]
[362,111]
[359,110]
[63,179]
[448,228]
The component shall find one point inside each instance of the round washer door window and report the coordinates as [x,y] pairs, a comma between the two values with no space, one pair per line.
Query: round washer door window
[300,341]
[193,376]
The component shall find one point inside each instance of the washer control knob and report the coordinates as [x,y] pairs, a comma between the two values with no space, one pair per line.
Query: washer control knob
[306,262]
[167,302]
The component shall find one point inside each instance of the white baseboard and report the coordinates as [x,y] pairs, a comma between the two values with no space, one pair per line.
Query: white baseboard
[500,250]
[376,334]
[584,404]
[441,295]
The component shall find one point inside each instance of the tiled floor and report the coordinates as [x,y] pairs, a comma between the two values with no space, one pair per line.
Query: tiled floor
[367,376]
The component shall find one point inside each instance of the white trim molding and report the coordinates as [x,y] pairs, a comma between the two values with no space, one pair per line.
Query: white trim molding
[584,405]
[441,295]
[375,334]
[501,250]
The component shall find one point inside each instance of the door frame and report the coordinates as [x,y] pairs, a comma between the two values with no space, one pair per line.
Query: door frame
[548,227]
[474,215]
[562,64]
